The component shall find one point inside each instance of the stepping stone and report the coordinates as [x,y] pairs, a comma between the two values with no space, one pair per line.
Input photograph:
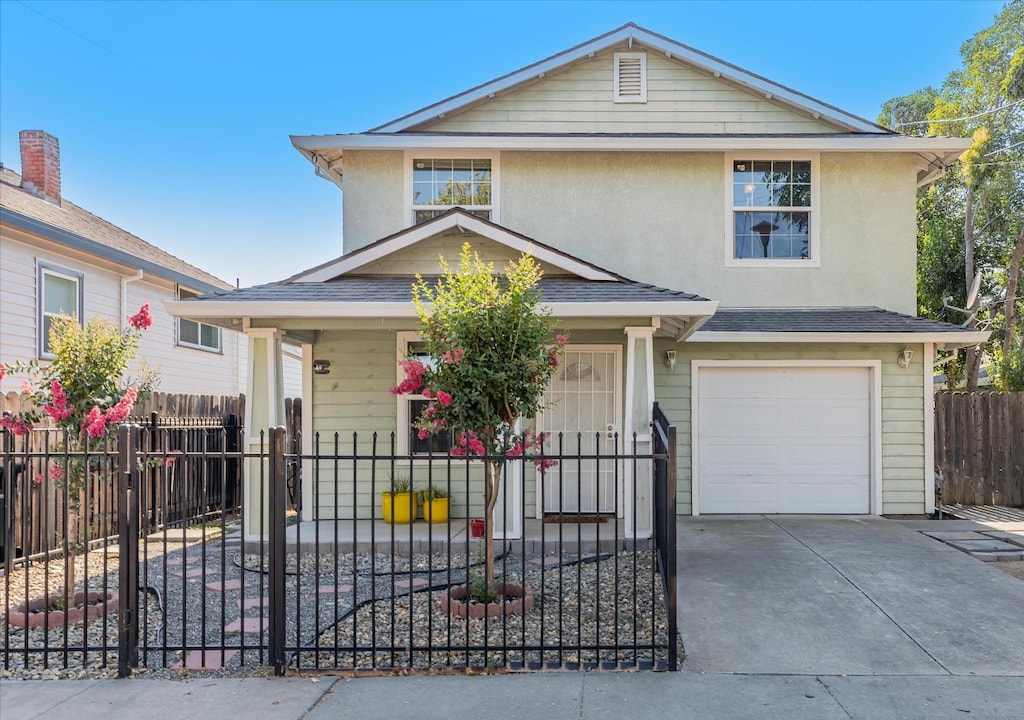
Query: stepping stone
[1017,538]
[415,582]
[248,625]
[546,561]
[169,561]
[208,659]
[193,573]
[342,589]
[249,603]
[224,585]
[948,535]
[987,546]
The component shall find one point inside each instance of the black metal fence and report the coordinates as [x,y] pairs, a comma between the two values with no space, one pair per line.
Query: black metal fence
[346,590]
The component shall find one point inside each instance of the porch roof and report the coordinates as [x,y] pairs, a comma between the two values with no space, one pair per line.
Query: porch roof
[822,324]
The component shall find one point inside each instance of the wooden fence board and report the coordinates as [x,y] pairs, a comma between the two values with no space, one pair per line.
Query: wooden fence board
[979,447]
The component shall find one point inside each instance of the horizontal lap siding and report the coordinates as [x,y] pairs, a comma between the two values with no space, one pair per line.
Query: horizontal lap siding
[902,411]
[424,257]
[679,99]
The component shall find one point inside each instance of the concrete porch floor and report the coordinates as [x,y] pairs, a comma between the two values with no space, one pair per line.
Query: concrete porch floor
[539,538]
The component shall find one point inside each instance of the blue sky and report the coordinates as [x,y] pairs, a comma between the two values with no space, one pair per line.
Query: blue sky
[174,118]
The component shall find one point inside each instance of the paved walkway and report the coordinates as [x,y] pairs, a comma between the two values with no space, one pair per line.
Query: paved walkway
[788,618]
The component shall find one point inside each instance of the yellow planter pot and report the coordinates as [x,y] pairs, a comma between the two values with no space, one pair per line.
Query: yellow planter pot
[398,508]
[436,510]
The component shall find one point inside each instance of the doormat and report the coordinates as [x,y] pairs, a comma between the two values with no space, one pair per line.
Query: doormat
[576,518]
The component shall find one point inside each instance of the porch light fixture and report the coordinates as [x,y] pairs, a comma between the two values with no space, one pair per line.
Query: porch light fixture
[670,359]
[321,367]
[906,355]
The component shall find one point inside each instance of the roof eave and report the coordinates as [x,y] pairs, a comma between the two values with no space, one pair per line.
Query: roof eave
[944,340]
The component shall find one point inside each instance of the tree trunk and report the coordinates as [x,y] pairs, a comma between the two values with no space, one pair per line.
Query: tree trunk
[493,481]
[1010,307]
[973,353]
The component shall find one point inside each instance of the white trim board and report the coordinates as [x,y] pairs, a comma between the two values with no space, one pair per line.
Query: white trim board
[944,340]
[875,368]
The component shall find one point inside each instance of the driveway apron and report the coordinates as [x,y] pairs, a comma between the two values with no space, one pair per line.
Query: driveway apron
[841,596]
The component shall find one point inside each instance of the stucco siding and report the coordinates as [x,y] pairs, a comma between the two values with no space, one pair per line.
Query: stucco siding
[374,197]
[680,99]
[902,411]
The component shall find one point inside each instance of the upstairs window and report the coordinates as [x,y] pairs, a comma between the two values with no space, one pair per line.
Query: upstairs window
[630,81]
[439,184]
[60,293]
[195,334]
[773,206]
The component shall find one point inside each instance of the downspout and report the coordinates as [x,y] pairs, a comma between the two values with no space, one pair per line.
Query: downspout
[124,296]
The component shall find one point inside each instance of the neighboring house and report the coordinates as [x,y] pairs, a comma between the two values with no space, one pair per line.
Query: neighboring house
[56,257]
[769,239]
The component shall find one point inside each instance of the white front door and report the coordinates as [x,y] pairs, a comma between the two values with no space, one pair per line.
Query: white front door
[583,404]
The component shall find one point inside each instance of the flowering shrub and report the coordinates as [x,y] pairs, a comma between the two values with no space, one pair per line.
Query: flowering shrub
[491,358]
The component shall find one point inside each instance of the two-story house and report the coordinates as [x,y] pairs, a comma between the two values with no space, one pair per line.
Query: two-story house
[736,250]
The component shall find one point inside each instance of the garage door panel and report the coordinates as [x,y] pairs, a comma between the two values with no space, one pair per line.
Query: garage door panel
[801,443]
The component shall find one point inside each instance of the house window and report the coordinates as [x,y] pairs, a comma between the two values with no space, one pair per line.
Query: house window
[60,293]
[195,334]
[439,184]
[772,211]
[410,406]
[630,81]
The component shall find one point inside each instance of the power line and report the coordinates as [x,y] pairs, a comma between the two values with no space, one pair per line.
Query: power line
[959,119]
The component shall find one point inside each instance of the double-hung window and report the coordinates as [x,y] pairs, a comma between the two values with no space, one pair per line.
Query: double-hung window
[411,406]
[60,293]
[439,184]
[772,211]
[195,334]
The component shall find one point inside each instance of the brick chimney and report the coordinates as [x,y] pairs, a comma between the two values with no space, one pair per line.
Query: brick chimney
[40,164]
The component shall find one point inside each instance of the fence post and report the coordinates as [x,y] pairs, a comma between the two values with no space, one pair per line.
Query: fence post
[276,520]
[128,555]
[670,552]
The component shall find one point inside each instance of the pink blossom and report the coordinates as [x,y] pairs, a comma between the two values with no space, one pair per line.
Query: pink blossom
[56,473]
[444,398]
[423,434]
[95,422]
[453,356]
[15,423]
[553,359]
[58,408]
[469,443]
[428,393]
[27,388]
[561,339]
[142,319]
[3,371]
[38,480]
[124,406]
[414,372]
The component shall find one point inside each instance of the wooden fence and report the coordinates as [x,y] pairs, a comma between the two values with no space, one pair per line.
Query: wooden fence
[979,447]
[165,404]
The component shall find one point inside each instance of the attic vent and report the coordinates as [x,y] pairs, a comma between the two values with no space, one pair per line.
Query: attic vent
[630,78]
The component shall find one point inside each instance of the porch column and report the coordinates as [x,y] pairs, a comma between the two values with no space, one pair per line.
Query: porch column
[508,513]
[264,409]
[639,475]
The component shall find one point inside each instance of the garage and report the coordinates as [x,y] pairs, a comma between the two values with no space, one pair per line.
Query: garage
[782,438]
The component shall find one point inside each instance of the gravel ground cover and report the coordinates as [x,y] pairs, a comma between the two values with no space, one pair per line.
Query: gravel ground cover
[205,611]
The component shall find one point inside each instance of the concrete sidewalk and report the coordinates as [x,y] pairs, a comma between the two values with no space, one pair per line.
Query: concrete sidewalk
[554,696]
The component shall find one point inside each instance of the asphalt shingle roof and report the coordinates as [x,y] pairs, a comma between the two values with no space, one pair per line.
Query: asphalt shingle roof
[73,219]
[390,289]
[819,320]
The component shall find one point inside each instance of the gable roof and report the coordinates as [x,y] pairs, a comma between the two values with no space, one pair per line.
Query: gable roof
[631,33]
[454,218]
[70,225]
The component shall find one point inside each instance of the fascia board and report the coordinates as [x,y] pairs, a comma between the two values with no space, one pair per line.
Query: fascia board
[475,225]
[948,340]
[270,309]
[943,146]
[711,65]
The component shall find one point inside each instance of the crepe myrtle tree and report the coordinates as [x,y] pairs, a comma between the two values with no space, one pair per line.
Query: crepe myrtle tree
[492,352]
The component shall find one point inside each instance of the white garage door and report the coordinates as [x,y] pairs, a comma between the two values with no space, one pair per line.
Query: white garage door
[784,440]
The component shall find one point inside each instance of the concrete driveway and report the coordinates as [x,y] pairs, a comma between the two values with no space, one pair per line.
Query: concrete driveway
[841,596]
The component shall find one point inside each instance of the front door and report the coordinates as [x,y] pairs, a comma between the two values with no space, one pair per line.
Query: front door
[583,404]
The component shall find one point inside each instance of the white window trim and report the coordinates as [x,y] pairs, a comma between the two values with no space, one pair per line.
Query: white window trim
[875,419]
[78,278]
[642,97]
[219,350]
[814,230]
[493,155]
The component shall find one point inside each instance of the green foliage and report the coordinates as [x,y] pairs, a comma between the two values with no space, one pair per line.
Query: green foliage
[435,492]
[480,590]
[400,484]
[1008,371]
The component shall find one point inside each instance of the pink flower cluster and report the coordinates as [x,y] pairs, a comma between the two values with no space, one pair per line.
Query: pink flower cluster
[3,371]
[528,441]
[58,407]
[414,372]
[96,421]
[15,423]
[469,443]
[453,356]
[141,320]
